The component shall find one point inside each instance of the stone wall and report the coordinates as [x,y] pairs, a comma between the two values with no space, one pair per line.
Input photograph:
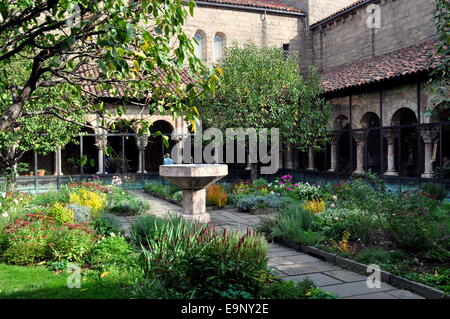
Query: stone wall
[244,25]
[348,38]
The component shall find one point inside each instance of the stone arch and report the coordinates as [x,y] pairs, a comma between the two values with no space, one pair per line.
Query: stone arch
[156,149]
[406,142]
[404,116]
[370,120]
[341,122]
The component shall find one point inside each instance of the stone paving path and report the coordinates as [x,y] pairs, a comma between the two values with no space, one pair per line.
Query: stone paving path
[288,264]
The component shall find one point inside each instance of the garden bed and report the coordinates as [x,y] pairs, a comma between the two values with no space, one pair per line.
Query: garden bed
[52,237]
[387,277]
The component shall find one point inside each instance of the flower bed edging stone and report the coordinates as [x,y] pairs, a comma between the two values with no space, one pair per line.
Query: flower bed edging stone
[386,277]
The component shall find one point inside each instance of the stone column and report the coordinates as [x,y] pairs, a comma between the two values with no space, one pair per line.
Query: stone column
[101,141]
[333,150]
[391,134]
[289,157]
[360,138]
[310,159]
[141,142]
[58,170]
[429,135]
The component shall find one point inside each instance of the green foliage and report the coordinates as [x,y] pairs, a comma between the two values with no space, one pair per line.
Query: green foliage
[380,256]
[191,257]
[252,202]
[145,227]
[262,88]
[437,191]
[111,250]
[154,187]
[61,214]
[51,197]
[362,225]
[37,238]
[439,279]
[294,223]
[107,224]
[123,203]
[178,196]
[71,245]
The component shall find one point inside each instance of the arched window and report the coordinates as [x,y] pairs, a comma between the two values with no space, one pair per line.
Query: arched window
[199,47]
[219,45]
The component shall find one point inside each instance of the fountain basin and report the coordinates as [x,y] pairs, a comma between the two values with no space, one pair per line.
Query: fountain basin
[193,180]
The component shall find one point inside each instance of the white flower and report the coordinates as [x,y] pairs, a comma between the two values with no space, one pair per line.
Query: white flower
[333,206]
[5,215]
[20,199]
[16,201]
[4,195]
[336,219]
[334,197]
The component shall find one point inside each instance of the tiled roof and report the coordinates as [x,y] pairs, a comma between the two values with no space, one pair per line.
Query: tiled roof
[404,62]
[266,4]
[90,73]
[354,5]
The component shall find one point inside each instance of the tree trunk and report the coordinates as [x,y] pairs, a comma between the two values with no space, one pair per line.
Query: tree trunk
[253,172]
[11,177]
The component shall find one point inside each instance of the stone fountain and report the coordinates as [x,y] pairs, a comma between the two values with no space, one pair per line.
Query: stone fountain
[193,180]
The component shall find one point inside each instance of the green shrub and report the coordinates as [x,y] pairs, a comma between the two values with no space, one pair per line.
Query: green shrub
[178,196]
[51,197]
[61,214]
[145,227]
[361,225]
[252,202]
[437,191]
[72,245]
[107,224]
[111,250]
[260,182]
[166,191]
[187,257]
[37,238]
[371,255]
[123,203]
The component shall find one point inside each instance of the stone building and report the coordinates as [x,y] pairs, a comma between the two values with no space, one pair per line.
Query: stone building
[373,59]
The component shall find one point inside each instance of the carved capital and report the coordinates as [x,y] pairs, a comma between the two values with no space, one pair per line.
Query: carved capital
[360,136]
[334,137]
[142,142]
[101,141]
[429,134]
[390,133]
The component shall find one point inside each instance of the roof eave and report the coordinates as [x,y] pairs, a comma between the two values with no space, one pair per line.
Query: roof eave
[250,8]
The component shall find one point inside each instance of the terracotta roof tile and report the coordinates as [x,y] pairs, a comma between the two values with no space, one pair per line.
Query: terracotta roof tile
[268,4]
[407,61]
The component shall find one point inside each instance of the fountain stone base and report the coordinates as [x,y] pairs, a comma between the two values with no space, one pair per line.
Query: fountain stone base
[193,180]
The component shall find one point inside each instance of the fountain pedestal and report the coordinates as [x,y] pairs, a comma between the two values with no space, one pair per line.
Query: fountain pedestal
[193,180]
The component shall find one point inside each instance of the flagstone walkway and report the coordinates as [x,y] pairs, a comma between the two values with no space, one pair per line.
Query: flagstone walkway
[288,264]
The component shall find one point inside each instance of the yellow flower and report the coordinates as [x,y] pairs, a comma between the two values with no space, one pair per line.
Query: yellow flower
[315,206]
[106,273]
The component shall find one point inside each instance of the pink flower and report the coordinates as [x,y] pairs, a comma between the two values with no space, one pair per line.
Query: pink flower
[289,189]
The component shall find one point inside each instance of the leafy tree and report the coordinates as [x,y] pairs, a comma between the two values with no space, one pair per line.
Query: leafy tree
[59,59]
[263,88]
[439,79]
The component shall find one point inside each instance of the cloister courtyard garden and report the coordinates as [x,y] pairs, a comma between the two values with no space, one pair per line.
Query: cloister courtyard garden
[119,180]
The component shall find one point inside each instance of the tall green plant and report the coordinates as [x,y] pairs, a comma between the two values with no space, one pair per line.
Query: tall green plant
[263,88]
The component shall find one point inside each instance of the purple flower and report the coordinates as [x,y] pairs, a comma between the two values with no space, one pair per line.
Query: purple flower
[289,189]
[281,184]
